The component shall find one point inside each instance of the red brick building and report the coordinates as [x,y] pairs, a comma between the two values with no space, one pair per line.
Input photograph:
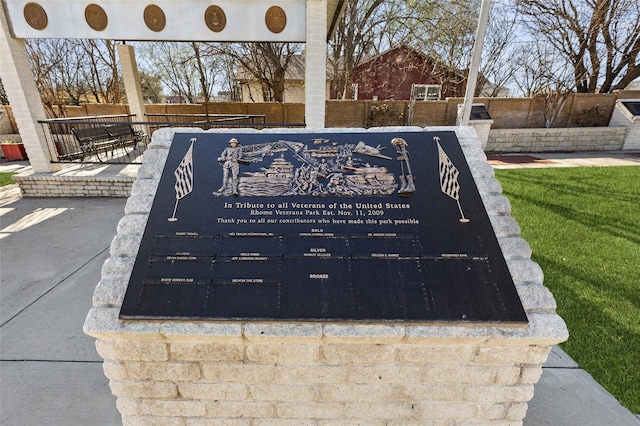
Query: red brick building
[401,72]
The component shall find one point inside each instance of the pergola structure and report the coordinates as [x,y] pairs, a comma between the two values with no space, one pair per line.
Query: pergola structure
[304,21]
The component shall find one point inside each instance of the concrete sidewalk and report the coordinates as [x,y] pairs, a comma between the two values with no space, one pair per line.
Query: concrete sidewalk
[51,254]
[568,159]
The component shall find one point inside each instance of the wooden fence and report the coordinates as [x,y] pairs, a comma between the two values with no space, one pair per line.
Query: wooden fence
[580,110]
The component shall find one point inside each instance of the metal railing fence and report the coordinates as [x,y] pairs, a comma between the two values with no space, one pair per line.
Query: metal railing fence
[117,139]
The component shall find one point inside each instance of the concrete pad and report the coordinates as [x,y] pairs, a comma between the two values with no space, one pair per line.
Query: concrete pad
[43,241]
[559,359]
[564,159]
[56,393]
[54,322]
[571,397]
[9,194]
[601,161]
[14,166]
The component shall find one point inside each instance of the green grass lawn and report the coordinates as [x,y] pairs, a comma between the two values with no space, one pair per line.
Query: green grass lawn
[5,178]
[583,225]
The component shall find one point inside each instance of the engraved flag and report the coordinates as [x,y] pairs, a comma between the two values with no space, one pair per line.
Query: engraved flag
[184,175]
[449,178]
[448,175]
[184,179]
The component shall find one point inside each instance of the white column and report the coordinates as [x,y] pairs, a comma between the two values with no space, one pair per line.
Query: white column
[315,64]
[132,81]
[24,99]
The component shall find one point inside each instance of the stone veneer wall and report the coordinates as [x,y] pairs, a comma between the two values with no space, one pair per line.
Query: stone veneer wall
[260,373]
[556,140]
[51,185]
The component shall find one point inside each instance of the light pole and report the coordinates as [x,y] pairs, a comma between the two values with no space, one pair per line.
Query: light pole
[465,112]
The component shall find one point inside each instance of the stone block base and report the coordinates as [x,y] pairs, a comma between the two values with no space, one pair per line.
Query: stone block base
[331,374]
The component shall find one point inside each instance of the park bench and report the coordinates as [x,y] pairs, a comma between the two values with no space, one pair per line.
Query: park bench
[126,134]
[104,138]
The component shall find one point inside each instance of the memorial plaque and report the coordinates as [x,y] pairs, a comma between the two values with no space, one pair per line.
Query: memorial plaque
[633,107]
[36,16]
[479,112]
[215,18]
[320,227]
[154,18]
[96,17]
[276,19]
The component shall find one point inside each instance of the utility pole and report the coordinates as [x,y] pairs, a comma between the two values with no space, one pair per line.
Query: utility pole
[465,112]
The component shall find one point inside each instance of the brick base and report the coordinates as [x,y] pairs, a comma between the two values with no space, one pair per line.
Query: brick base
[252,374]
[48,185]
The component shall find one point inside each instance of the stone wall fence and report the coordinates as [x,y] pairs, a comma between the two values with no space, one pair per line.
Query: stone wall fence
[580,110]
[556,140]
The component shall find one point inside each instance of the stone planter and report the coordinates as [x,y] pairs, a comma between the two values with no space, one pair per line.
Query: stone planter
[14,151]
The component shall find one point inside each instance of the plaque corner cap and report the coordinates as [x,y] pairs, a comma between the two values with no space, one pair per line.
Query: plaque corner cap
[548,327]
[101,321]
[541,330]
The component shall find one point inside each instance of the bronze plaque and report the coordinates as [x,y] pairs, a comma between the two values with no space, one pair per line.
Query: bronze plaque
[215,18]
[320,227]
[35,16]
[154,18]
[96,17]
[276,19]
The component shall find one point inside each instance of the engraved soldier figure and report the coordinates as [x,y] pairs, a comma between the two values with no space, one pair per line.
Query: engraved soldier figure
[229,159]
[408,187]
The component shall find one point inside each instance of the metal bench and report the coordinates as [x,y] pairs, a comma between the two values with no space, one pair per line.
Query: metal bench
[126,134]
[104,138]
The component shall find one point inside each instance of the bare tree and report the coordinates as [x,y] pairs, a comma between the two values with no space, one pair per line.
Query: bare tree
[444,30]
[599,38]
[265,63]
[188,70]
[167,60]
[546,73]
[56,68]
[227,82]
[101,70]
[71,72]
[497,68]
[355,37]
